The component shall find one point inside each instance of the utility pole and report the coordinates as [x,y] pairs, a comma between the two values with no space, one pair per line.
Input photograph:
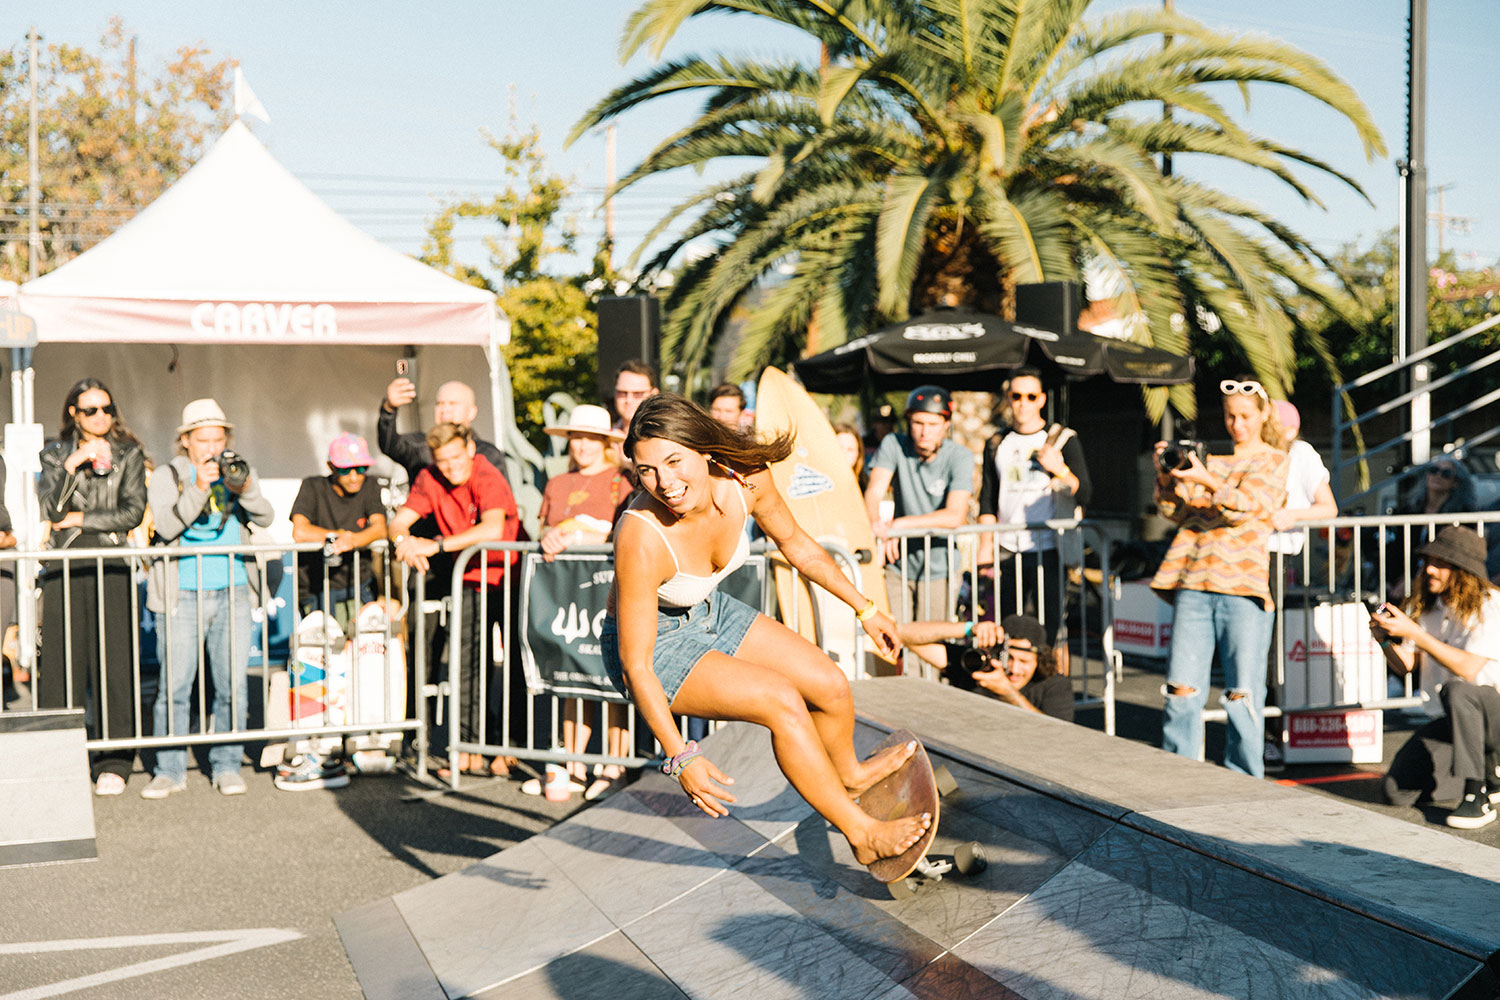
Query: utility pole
[609,194]
[1444,221]
[1415,244]
[33,201]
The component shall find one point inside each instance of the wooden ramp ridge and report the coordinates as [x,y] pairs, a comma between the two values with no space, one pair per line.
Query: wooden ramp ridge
[1115,870]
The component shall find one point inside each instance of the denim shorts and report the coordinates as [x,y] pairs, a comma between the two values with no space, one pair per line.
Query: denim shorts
[683,637]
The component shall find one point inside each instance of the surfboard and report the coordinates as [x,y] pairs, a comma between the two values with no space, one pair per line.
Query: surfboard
[824,497]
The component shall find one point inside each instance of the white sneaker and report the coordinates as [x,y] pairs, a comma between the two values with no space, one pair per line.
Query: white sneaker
[109,783]
[161,786]
[229,783]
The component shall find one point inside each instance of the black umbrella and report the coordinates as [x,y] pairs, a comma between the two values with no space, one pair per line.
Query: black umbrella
[963,349]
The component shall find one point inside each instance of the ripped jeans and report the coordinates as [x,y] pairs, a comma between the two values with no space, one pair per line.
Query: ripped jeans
[1240,628]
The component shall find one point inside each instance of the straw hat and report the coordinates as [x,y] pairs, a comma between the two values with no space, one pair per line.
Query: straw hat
[587,418]
[1459,547]
[203,413]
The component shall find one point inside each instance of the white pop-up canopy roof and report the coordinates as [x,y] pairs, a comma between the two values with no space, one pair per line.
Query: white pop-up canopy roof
[238,251]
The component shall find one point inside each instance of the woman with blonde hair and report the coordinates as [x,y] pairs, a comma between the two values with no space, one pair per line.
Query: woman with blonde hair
[1216,575]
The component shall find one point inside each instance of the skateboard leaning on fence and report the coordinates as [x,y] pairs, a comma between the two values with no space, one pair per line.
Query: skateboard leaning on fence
[916,787]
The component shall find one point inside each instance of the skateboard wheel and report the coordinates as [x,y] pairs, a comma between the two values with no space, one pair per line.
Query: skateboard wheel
[944,778]
[901,889]
[969,859]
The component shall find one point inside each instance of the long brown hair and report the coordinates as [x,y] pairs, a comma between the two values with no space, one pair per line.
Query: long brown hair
[1464,597]
[673,418]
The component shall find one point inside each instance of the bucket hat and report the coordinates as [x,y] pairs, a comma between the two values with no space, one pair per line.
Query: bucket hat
[1459,547]
[587,418]
[203,413]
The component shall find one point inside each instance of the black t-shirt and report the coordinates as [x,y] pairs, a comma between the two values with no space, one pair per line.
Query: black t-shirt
[321,504]
[1051,695]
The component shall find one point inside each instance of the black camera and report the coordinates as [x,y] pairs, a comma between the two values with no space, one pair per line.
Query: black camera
[233,469]
[1175,455]
[974,660]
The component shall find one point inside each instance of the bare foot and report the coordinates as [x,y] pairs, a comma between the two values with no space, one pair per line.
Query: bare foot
[888,839]
[870,770]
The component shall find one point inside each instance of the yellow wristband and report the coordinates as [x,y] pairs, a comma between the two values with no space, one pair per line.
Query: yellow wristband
[866,613]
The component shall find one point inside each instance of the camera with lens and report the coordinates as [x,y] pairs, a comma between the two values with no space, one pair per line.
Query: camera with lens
[1176,455]
[233,468]
[974,660]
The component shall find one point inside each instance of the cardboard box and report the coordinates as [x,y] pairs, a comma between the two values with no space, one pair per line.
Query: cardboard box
[1143,621]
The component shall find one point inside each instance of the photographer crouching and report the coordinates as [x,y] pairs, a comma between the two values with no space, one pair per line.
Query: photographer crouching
[1010,660]
[1456,638]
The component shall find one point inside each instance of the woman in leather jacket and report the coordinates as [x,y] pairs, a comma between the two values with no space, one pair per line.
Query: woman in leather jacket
[93,491]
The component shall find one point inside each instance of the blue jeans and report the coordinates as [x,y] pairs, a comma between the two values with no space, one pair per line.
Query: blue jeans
[226,637]
[1240,628]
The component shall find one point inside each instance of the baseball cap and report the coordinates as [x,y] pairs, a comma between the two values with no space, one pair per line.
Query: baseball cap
[349,450]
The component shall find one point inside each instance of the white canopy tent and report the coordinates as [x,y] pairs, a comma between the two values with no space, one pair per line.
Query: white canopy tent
[239,283]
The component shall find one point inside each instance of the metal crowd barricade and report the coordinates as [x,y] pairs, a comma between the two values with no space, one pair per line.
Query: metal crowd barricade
[539,736]
[167,559]
[966,549]
[1322,593]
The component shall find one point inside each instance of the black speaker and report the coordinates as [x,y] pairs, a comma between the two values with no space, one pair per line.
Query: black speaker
[629,330]
[1052,305]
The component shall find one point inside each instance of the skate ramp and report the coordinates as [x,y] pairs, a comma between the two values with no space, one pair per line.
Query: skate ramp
[1115,870]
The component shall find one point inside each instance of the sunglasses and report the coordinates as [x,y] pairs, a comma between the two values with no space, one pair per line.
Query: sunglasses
[89,411]
[1230,387]
[1030,397]
[354,470]
[1443,472]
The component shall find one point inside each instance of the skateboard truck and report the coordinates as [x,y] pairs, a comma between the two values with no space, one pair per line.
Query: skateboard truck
[969,859]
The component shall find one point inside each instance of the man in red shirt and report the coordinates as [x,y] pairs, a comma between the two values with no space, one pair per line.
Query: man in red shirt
[470,502]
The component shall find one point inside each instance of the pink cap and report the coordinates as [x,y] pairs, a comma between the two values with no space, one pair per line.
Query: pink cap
[1288,415]
[349,450]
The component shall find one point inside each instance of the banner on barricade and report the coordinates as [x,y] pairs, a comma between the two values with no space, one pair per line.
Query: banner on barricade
[562,606]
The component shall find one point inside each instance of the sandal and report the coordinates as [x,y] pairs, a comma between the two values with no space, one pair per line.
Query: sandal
[603,783]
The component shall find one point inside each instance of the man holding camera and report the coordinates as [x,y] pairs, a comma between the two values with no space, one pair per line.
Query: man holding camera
[1010,661]
[455,404]
[206,496]
[1456,634]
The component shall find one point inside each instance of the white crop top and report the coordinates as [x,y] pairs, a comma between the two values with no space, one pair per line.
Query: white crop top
[684,590]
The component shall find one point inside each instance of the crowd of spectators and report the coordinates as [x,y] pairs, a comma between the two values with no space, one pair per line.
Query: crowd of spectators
[1231,513]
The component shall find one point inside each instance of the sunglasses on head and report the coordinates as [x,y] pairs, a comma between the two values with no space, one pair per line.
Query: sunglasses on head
[89,411]
[1231,387]
[1030,397]
[351,470]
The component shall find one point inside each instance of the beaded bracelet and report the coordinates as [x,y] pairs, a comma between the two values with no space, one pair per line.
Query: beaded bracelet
[673,766]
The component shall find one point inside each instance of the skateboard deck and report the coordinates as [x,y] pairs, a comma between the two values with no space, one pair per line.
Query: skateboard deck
[909,790]
[824,497]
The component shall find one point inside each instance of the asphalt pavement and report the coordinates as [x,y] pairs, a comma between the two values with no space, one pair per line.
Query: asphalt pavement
[203,896]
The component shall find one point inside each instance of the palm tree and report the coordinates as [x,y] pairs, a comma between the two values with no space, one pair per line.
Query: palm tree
[950,149]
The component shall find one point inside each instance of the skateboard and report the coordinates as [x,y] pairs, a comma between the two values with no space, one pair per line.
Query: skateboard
[916,787]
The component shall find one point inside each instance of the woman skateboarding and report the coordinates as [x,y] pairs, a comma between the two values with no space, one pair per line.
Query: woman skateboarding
[674,644]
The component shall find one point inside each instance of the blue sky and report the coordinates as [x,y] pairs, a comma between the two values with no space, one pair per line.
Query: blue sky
[378,106]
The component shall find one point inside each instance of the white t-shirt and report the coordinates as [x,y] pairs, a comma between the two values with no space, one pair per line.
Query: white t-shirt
[1305,475]
[1026,494]
[1483,638]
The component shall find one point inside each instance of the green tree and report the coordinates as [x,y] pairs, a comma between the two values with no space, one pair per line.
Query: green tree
[951,149]
[111,139]
[554,338]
